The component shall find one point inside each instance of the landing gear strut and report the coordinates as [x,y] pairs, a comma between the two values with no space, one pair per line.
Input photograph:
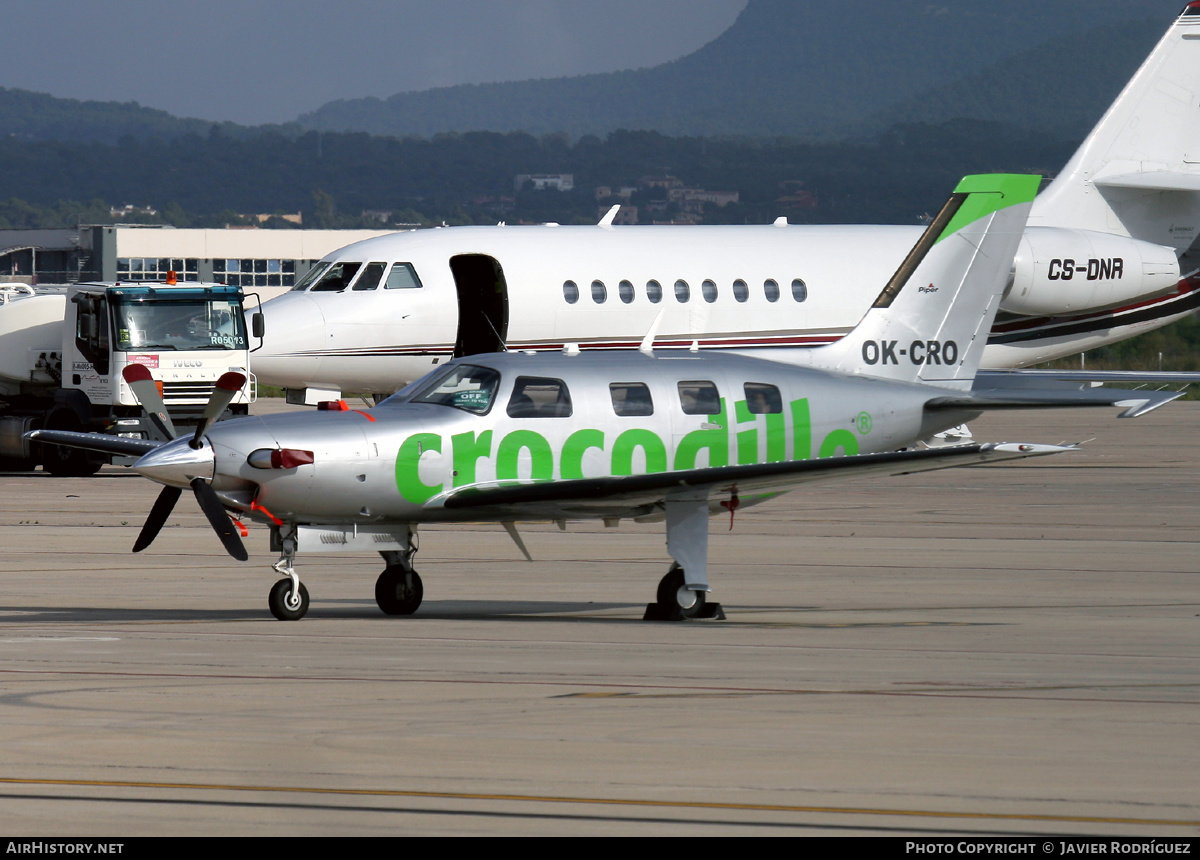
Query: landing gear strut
[288,599]
[399,591]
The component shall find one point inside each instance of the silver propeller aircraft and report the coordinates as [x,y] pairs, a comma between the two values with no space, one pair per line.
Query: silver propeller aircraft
[674,435]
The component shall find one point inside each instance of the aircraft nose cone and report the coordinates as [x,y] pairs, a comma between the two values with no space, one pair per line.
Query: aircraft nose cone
[177,463]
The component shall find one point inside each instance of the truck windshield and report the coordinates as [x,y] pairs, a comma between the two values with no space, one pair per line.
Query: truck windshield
[179,324]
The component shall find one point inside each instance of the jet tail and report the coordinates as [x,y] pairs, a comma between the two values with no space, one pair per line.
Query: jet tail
[931,322]
[1138,173]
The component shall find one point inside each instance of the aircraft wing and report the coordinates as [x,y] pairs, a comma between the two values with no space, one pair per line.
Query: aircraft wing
[637,495]
[94,442]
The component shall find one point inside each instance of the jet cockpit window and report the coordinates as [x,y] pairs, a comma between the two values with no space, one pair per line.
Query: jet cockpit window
[371,275]
[337,278]
[468,387]
[763,399]
[309,279]
[539,397]
[631,399]
[403,277]
[699,397]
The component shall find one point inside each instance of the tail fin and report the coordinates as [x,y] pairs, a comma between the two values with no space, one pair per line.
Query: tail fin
[1138,173]
[930,323]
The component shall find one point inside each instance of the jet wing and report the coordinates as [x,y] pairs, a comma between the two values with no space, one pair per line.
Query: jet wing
[637,495]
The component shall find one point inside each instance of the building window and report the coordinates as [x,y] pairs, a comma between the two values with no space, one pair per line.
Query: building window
[255,272]
[156,268]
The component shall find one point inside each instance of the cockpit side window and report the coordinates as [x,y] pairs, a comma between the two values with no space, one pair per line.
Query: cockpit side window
[631,399]
[403,277]
[370,277]
[539,397]
[337,278]
[308,280]
[469,387]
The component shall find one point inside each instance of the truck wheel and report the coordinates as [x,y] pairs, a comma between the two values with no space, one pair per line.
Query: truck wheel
[67,462]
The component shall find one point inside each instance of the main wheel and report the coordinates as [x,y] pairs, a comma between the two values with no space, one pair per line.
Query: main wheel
[676,597]
[284,604]
[396,594]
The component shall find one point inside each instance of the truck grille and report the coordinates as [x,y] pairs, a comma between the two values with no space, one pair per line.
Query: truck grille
[180,391]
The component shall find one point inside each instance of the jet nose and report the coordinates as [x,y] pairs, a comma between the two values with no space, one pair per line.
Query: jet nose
[177,463]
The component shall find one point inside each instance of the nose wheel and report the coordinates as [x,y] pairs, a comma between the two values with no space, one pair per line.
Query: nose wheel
[398,591]
[287,602]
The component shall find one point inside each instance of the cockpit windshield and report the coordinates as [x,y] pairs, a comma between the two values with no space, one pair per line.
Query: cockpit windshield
[308,280]
[467,386]
[178,324]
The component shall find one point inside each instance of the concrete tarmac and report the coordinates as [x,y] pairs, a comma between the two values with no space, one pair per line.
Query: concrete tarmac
[1009,649]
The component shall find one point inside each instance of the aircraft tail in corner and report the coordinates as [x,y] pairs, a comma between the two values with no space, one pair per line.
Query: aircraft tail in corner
[1138,173]
[931,322]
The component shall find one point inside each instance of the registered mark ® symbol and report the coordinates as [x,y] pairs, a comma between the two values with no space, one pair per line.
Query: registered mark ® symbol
[863,421]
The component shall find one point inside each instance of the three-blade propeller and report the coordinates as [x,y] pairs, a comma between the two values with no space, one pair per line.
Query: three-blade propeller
[146,390]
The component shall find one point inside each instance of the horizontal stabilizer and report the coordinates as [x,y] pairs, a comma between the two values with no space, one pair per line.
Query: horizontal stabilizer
[1153,180]
[101,442]
[1045,389]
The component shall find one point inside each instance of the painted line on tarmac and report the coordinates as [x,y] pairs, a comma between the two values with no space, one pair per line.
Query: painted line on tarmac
[604,801]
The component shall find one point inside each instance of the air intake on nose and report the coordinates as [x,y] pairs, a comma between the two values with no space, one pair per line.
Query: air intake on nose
[279,458]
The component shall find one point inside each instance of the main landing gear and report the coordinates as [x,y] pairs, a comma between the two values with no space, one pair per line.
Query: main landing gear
[398,591]
[682,593]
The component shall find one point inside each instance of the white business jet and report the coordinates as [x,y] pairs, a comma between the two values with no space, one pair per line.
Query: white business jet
[1098,263]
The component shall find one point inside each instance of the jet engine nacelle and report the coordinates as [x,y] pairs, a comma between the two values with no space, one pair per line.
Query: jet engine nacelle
[1059,271]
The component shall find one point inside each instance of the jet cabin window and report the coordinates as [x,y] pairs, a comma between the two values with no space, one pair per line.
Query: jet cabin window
[631,399]
[468,387]
[698,397]
[337,278]
[539,397]
[403,277]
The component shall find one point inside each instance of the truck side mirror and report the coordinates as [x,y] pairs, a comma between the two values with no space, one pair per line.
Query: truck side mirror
[258,324]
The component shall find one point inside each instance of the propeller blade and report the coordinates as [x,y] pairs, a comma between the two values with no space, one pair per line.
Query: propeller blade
[163,506]
[218,519]
[227,388]
[145,389]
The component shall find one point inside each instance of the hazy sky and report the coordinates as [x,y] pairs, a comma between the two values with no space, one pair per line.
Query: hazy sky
[254,61]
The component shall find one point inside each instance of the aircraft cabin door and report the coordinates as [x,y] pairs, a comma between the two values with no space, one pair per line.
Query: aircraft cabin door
[482,304]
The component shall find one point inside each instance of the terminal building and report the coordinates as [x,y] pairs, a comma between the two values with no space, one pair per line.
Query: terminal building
[247,258]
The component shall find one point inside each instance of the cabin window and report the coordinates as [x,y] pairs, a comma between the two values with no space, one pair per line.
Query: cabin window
[337,278]
[654,292]
[631,399]
[741,291]
[402,277]
[763,399]
[599,292]
[709,291]
[570,292]
[469,387]
[625,291]
[310,278]
[539,397]
[372,274]
[699,397]
[799,290]
[771,290]
[682,291]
